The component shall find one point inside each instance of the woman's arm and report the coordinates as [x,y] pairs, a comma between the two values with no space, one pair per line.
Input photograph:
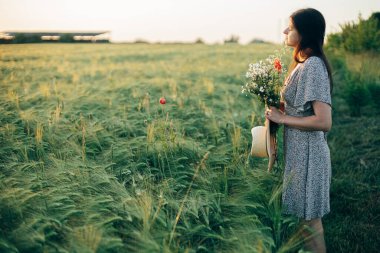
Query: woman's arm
[320,121]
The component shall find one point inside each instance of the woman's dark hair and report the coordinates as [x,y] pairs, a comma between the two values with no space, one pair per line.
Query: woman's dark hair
[311,26]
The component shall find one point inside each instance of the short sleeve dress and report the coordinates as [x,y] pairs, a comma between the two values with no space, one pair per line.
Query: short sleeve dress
[307,173]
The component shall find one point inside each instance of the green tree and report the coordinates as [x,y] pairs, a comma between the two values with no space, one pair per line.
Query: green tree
[358,37]
[27,38]
[67,37]
[232,39]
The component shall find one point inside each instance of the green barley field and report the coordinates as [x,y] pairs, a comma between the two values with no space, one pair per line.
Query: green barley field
[90,161]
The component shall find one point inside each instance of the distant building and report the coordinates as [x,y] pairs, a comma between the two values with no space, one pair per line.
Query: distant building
[15,37]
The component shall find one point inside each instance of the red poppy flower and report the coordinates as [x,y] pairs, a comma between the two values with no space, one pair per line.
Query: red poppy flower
[162,101]
[277,64]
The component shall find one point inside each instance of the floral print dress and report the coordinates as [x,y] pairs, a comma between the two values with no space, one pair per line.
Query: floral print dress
[307,174]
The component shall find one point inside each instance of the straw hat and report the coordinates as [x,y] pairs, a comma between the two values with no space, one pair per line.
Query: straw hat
[264,143]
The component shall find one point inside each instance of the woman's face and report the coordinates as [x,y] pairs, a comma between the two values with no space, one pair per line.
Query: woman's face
[292,37]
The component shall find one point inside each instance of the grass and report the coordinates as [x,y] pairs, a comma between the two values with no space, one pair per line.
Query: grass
[92,162]
[354,141]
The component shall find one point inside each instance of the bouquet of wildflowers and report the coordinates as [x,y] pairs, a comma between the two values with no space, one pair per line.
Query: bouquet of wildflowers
[265,79]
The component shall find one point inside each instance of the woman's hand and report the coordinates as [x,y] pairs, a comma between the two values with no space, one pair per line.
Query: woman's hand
[275,115]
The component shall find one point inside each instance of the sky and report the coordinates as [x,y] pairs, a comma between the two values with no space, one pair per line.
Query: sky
[176,20]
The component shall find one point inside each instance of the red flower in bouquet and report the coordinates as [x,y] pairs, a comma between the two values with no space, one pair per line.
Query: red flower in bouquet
[277,65]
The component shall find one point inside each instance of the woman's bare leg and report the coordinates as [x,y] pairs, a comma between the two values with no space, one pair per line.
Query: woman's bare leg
[312,231]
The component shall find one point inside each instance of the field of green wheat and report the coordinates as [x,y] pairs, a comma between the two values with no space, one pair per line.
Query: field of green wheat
[90,161]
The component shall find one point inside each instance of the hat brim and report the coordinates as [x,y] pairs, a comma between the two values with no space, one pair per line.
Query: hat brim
[259,141]
[264,143]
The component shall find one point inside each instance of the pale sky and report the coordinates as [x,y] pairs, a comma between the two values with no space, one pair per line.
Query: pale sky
[175,20]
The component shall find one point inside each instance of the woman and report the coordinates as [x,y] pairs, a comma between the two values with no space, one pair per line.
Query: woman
[307,118]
